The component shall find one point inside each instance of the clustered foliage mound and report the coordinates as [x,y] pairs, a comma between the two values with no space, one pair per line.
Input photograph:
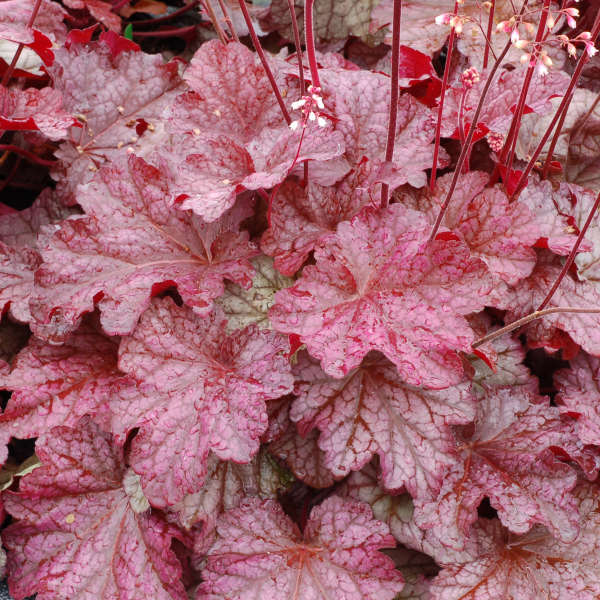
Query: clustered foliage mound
[300,325]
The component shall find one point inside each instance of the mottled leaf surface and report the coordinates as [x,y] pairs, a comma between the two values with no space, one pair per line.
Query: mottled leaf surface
[372,411]
[82,528]
[304,217]
[504,457]
[500,233]
[375,272]
[111,95]
[34,109]
[197,391]
[530,566]
[260,552]
[57,385]
[579,394]
[130,241]
[582,327]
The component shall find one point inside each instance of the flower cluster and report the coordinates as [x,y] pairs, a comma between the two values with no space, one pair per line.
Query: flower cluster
[310,105]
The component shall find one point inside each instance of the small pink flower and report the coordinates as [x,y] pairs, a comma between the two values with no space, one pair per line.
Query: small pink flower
[495,141]
[443,19]
[469,77]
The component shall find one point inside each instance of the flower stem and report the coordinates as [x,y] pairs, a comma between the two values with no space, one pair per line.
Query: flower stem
[298,45]
[310,43]
[391,135]
[561,110]
[213,19]
[527,319]
[263,60]
[572,254]
[507,154]
[438,125]
[488,42]
[465,150]
[228,20]
[582,61]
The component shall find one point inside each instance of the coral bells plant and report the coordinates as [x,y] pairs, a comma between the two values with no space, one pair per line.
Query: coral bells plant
[300,300]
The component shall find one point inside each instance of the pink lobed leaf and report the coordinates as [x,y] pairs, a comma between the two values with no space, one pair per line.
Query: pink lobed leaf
[243,141]
[500,233]
[506,356]
[577,202]
[579,394]
[504,456]
[230,95]
[19,256]
[33,109]
[334,21]
[110,95]
[49,20]
[396,509]
[302,218]
[501,100]
[552,213]
[260,553]
[129,242]
[372,411]
[373,273]
[83,528]
[359,103]
[208,173]
[530,566]
[301,453]
[583,328]
[102,11]
[192,378]
[57,385]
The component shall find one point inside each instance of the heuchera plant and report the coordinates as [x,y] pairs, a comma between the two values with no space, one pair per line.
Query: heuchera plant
[300,302]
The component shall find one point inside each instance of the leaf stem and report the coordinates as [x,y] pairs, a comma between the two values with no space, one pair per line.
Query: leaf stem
[393,118]
[572,254]
[527,319]
[263,60]
[162,33]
